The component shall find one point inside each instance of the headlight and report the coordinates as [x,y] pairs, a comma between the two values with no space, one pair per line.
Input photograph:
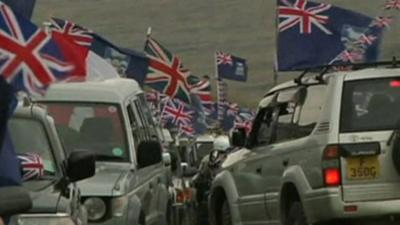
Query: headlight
[118,205]
[96,208]
[44,219]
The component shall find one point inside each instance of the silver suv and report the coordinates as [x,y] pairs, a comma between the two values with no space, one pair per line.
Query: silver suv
[320,151]
[112,119]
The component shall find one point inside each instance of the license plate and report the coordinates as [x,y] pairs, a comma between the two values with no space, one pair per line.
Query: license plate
[363,168]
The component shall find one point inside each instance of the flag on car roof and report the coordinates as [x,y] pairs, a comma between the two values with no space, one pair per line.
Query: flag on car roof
[23,7]
[231,67]
[127,62]
[166,72]
[314,34]
[31,59]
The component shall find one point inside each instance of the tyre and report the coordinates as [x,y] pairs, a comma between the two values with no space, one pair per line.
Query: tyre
[226,218]
[296,215]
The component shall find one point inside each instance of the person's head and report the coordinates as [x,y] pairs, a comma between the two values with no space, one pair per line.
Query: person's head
[221,143]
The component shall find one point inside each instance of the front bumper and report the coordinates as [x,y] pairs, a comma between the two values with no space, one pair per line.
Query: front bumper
[44,219]
[327,204]
[115,220]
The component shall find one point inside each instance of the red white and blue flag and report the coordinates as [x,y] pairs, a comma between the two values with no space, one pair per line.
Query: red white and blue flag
[231,67]
[75,33]
[30,59]
[166,73]
[313,34]
[177,113]
[32,166]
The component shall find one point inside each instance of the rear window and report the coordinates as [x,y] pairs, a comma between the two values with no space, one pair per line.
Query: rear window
[370,105]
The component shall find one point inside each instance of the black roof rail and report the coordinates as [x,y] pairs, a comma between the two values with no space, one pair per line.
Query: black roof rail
[394,63]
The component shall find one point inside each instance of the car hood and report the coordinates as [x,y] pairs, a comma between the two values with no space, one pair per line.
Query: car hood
[44,200]
[106,181]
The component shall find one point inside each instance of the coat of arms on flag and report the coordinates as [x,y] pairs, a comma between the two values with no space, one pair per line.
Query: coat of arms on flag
[166,73]
[231,67]
[313,34]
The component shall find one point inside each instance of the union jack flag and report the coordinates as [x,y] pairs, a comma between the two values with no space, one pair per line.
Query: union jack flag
[351,56]
[29,58]
[32,166]
[244,120]
[382,21]
[367,39]
[177,112]
[305,17]
[186,130]
[166,73]
[79,35]
[233,109]
[223,58]
[392,4]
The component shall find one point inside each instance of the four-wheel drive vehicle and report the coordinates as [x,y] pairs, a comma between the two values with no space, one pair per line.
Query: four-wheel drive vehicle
[113,120]
[320,150]
[50,174]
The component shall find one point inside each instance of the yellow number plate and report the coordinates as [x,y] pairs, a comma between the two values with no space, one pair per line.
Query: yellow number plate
[363,168]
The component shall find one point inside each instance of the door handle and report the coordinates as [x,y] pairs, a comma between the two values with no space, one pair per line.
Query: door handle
[285,162]
[259,170]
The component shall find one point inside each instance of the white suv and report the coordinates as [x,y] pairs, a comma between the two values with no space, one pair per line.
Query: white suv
[321,151]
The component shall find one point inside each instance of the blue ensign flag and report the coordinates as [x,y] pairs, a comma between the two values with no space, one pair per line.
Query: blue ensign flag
[128,62]
[23,7]
[231,67]
[315,34]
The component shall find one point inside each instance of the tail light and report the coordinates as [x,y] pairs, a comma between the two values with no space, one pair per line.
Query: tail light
[331,166]
[180,196]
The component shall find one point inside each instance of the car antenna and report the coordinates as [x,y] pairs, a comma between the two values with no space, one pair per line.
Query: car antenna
[394,62]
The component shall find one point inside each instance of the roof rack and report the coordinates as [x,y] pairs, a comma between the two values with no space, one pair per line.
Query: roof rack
[322,70]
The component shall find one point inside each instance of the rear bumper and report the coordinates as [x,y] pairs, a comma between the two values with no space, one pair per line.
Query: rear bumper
[327,204]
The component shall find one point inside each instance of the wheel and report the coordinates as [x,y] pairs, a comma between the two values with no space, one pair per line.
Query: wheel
[226,218]
[296,215]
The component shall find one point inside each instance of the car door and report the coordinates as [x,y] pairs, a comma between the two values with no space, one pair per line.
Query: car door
[158,173]
[143,185]
[248,173]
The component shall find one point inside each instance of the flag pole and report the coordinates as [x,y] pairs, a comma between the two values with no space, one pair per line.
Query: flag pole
[275,67]
[218,89]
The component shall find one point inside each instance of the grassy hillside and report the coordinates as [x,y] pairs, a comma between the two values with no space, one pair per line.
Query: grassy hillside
[194,29]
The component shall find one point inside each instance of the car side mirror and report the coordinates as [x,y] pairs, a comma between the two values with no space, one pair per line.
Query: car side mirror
[166,158]
[81,165]
[187,170]
[149,153]
[14,200]
[239,137]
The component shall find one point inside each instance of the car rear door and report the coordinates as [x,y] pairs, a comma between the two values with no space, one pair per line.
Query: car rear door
[369,114]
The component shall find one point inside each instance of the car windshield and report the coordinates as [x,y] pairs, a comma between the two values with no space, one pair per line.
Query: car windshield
[31,143]
[370,105]
[94,127]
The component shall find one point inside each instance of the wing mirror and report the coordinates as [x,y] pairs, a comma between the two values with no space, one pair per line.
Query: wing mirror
[149,153]
[14,200]
[81,165]
[166,158]
[187,170]
[239,137]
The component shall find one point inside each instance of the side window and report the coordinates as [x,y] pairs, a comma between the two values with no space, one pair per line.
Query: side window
[262,126]
[284,121]
[137,137]
[309,112]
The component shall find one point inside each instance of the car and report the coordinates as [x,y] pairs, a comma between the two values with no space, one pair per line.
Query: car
[112,118]
[321,150]
[50,173]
